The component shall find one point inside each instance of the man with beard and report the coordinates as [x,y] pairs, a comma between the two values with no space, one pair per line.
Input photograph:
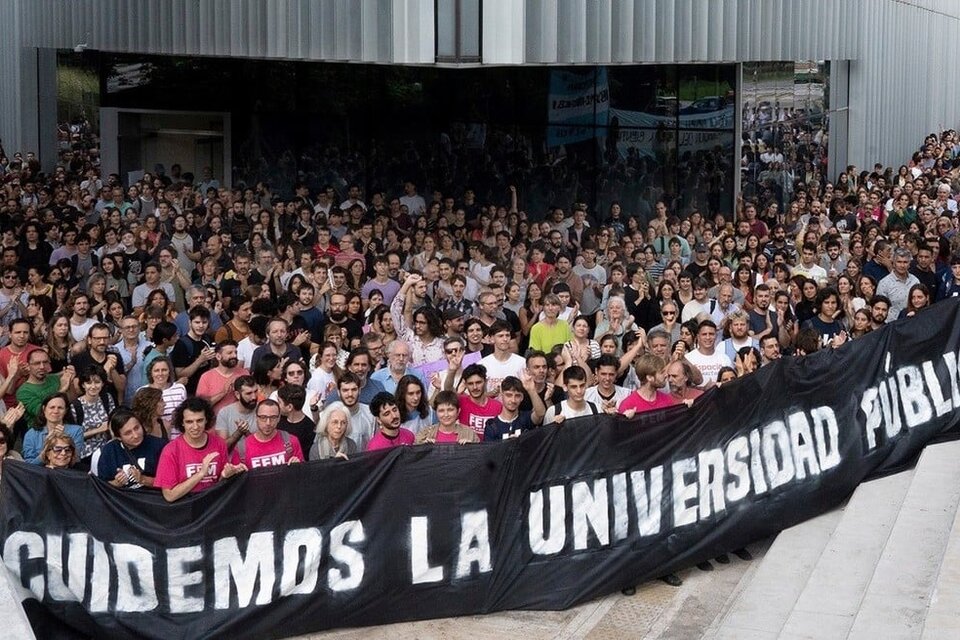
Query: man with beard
[338,316]
[564,273]
[398,359]
[358,363]
[678,375]
[277,334]
[41,384]
[235,419]
[453,323]
[879,311]
[390,434]
[197,460]
[648,396]
[362,422]
[739,332]
[417,323]
[216,385]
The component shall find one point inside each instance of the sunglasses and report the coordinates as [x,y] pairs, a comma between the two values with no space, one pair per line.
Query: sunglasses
[451,352]
[3,441]
[61,449]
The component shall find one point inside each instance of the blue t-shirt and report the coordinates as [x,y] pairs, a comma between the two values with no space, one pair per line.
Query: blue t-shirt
[497,429]
[114,455]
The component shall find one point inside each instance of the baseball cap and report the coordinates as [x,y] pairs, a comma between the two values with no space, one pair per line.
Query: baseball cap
[452,313]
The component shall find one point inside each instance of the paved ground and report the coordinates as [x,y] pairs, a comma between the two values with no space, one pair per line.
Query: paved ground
[657,611]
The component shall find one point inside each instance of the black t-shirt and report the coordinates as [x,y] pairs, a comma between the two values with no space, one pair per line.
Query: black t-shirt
[82,361]
[135,262]
[497,429]
[826,330]
[559,395]
[183,355]
[39,257]
[354,328]
[303,431]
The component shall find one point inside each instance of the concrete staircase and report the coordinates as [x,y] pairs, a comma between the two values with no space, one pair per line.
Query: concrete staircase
[884,566]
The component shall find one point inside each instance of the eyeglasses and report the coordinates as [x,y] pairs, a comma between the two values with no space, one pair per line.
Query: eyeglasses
[268,418]
[61,449]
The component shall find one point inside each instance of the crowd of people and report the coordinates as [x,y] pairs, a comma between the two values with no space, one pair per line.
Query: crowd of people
[174,332]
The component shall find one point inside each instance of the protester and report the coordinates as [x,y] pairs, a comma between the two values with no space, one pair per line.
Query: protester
[59,452]
[53,418]
[283,272]
[198,459]
[333,434]
[268,446]
[390,433]
[448,429]
[129,461]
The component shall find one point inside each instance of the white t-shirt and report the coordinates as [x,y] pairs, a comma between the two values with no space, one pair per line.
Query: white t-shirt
[245,349]
[619,394]
[568,412]
[709,366]
[497,371]
[319,381]
[80,331]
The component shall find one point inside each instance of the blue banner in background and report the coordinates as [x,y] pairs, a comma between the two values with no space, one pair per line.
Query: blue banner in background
[578,102]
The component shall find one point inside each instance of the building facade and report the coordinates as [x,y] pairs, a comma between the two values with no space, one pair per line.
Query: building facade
[578,99]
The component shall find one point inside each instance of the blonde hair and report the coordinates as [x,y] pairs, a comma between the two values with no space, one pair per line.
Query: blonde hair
[51,442]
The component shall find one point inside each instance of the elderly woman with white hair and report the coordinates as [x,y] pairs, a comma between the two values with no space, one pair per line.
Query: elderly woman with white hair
[333,429]
[615,321]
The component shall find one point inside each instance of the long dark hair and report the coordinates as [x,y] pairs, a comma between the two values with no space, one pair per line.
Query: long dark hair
[41,412]
[423,408]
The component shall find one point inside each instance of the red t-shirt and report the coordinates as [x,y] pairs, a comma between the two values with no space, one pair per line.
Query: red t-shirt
[10,399]
[179,461]
[446,438]
[635,401]
[475,416]
[272,453]
[379,441]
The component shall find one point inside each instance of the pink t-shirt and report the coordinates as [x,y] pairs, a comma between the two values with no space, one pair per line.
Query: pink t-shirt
[272,453]
[379,441]
[211,383]
[446,438]
[179,461]
[634,401]
[475,416]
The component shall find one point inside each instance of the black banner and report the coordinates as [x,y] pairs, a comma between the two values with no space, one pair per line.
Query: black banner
[559,516]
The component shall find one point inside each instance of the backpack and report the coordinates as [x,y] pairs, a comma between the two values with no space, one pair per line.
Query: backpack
[241,446]
[593,408]
[105,398]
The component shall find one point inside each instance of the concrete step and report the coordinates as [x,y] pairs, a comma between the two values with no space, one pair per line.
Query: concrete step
[794,578]
[898,598]
[766,599]
[943,616]
[831,598]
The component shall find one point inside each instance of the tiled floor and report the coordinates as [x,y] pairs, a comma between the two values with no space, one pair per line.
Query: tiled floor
[657,611]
